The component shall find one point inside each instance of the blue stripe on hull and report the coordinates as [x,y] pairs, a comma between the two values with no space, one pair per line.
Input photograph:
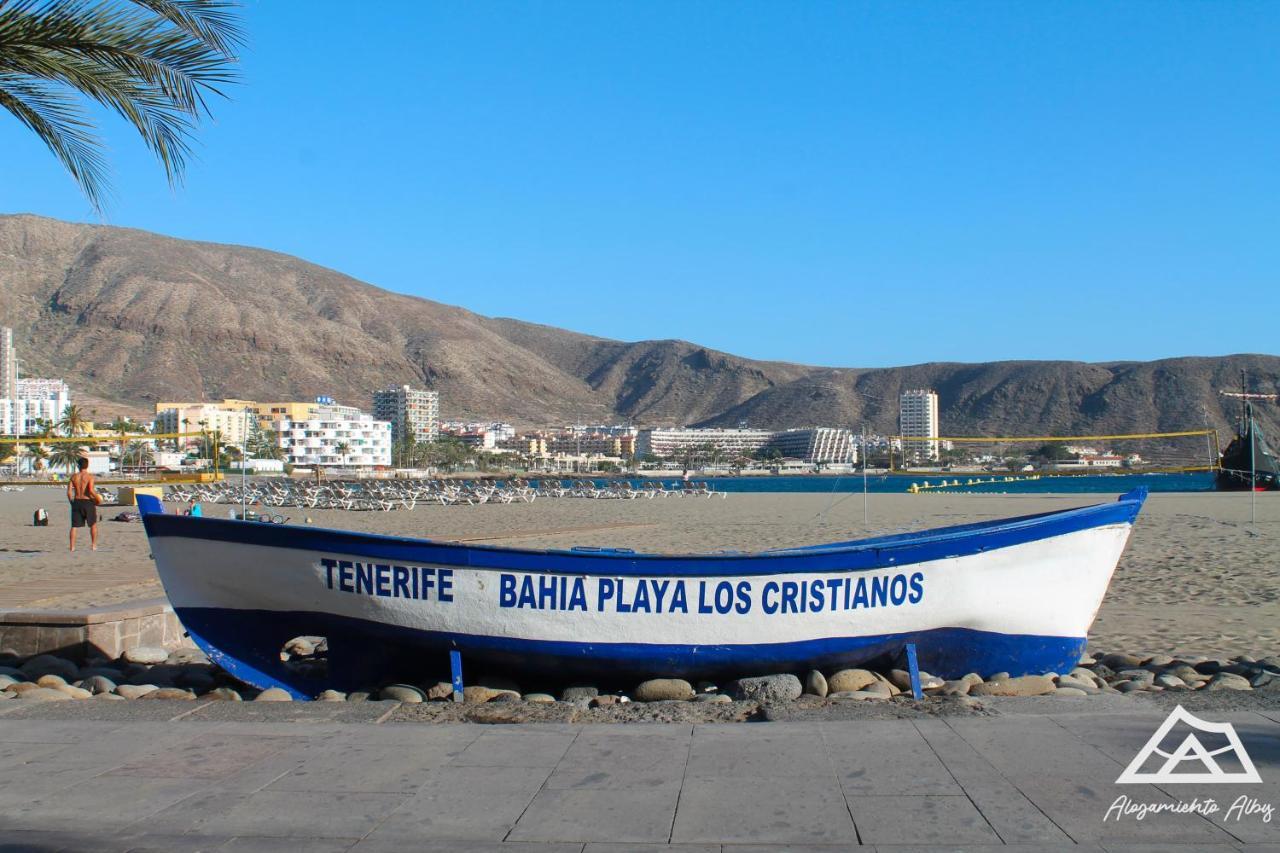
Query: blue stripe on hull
[247,644]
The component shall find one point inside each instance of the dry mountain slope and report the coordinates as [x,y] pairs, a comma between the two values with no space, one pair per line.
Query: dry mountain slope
[136,317]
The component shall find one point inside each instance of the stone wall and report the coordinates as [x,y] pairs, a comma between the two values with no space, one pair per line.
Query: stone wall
[103,632]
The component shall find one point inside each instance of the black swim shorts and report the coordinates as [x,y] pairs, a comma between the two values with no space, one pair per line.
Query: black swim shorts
[84,512]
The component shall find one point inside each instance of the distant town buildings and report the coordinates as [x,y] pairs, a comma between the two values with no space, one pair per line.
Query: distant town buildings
[674,443]
[25,401]
[308,433]
[412,412]
[818,445]
[918,417]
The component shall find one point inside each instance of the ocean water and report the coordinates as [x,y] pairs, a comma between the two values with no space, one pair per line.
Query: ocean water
[882,483]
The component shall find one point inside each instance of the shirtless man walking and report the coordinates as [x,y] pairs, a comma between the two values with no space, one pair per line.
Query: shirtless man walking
[83,498]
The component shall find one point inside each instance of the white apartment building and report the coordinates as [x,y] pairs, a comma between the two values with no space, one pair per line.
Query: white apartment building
[918,416]
[315,441]
[817,444]
[673,443]
[410,411]
[33,400]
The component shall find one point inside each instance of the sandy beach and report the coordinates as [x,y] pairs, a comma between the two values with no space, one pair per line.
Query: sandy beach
[1196,579]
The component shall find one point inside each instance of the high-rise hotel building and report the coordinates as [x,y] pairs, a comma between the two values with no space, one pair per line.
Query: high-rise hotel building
[412,412]
[918,416]
[8,365]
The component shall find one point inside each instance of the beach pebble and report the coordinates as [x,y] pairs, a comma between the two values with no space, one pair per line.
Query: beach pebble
[73,692]
[105,671]
[51,681]
[540,698]
[571,694]
[999,676]
[815,683]
[1167,679]
[1121,661]
[880,689]
[713,698]
[301,646]
[135,691]
[1142,676]
[223,694]
[439,691]
[111,697]
[1262,679]
[13,672]
[1026,685]
[358,696]
[331,696]
[663,689]
[850,680]
[198,680]
[96,684]
[477,694]
[146,655]
[43,694]
[958,687]
[6,680]
[1271,662]
[505,696]
[1128,686]
[1069,692]
[857,695]
[174,693]
[604,701]
[50,665]
[767,688]
[185,656]
[1228,681]
[406,693]
[22,687]
[1211,667]
[706,687]
[274,694]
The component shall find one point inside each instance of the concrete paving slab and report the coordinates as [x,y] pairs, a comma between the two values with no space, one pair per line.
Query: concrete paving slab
[282,814]
[929,819]
[1006,809]
[103,711]
[266,844]
[594,814]
[465,804]
[376,845]
[213,757]
[295,712]
[101,804]
[515,749]
[763,810]
[885,757]
[631,847]
[379,769]
[749,751]
[1072,782]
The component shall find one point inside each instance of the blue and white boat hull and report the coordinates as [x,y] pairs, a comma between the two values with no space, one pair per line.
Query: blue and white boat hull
[1016,595]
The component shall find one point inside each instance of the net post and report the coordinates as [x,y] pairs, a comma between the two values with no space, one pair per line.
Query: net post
[455,669]
[913,667]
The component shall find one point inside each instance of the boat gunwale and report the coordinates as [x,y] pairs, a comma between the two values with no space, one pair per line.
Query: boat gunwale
[873,553]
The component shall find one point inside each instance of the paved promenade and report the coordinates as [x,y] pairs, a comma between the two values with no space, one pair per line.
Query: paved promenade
[240,777]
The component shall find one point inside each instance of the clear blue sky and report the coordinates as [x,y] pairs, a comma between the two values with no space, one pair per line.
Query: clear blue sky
[844,183]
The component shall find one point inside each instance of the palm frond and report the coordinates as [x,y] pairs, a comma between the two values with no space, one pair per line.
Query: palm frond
[154,65]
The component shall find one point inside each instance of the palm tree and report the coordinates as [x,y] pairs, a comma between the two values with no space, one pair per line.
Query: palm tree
[73,421]
[39,456]
[65,455]
[140,454]
[44,427]
[343,449]
[152,62]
